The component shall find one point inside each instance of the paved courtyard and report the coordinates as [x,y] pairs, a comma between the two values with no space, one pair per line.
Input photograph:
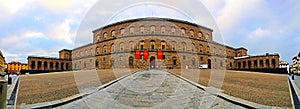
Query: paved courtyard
[151,89]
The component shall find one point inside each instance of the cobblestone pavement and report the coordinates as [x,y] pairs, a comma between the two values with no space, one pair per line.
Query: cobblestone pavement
[151,89]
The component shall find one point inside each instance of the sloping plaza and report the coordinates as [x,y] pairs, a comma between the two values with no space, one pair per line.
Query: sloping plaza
[151,89]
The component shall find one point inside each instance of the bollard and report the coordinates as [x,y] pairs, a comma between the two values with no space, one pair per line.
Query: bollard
[3,92]
[9,80]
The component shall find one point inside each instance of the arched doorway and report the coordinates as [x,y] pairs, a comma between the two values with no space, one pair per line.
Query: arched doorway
[152,62]
[174,61]
[209,63]
[130,62]
[45,65]
[33,65]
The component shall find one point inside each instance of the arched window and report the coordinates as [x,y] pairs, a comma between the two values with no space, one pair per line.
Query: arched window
[214,50]
[105,35]
[142,45]
[113,33]
[173,45]
[131,45]
[104,49]
[112,47]
[121,46]
[206,36]
[142,29]
[112,62]
[193,61]
[193,46]
[163,29]
[122,31]
[152,44]
[97,50]
[96,63]
[103,59]
[201,48]
[173,30]
[91,51]
[208,49]
[163,45]
[174,60]
[130,61]
[121,58]
[98,37]
[192,33]
[183,46]
[200,35]
[152,29]
[182,31]
[131,30]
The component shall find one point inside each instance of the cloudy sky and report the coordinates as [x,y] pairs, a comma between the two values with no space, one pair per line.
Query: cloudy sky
[43,27]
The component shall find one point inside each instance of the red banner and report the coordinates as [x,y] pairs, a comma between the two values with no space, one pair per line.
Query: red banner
[159,54]
[145,54]
[137,54]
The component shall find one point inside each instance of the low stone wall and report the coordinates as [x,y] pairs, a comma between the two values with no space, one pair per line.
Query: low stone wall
[266,70]
[39,71]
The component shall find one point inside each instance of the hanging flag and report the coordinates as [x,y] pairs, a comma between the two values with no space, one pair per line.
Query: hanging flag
[159,54]
[137,54]
[145,54]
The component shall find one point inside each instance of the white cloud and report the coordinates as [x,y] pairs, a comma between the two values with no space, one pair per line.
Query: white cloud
[259,33]
[10,7]
[62,32]
[19,40]
[235,11]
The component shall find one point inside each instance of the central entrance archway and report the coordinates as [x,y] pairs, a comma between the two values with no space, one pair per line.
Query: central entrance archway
[152,62]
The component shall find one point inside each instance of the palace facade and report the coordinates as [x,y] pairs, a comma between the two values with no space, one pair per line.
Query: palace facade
[16,67]
[154,43]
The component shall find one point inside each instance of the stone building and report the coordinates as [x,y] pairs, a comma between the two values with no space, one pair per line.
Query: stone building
[295,68]
[51,63]
[137,43]
[2,63]
[16,67]
[283,64]
[157,43]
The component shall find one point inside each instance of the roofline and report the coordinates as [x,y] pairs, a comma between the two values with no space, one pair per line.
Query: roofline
[45,57]
[65,50]
[151,18]
[241,48]
[82,46]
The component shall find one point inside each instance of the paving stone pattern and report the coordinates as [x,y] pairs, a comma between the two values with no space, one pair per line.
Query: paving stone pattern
[151,89]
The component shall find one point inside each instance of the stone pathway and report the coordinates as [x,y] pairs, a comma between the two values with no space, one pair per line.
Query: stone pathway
[151,89]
